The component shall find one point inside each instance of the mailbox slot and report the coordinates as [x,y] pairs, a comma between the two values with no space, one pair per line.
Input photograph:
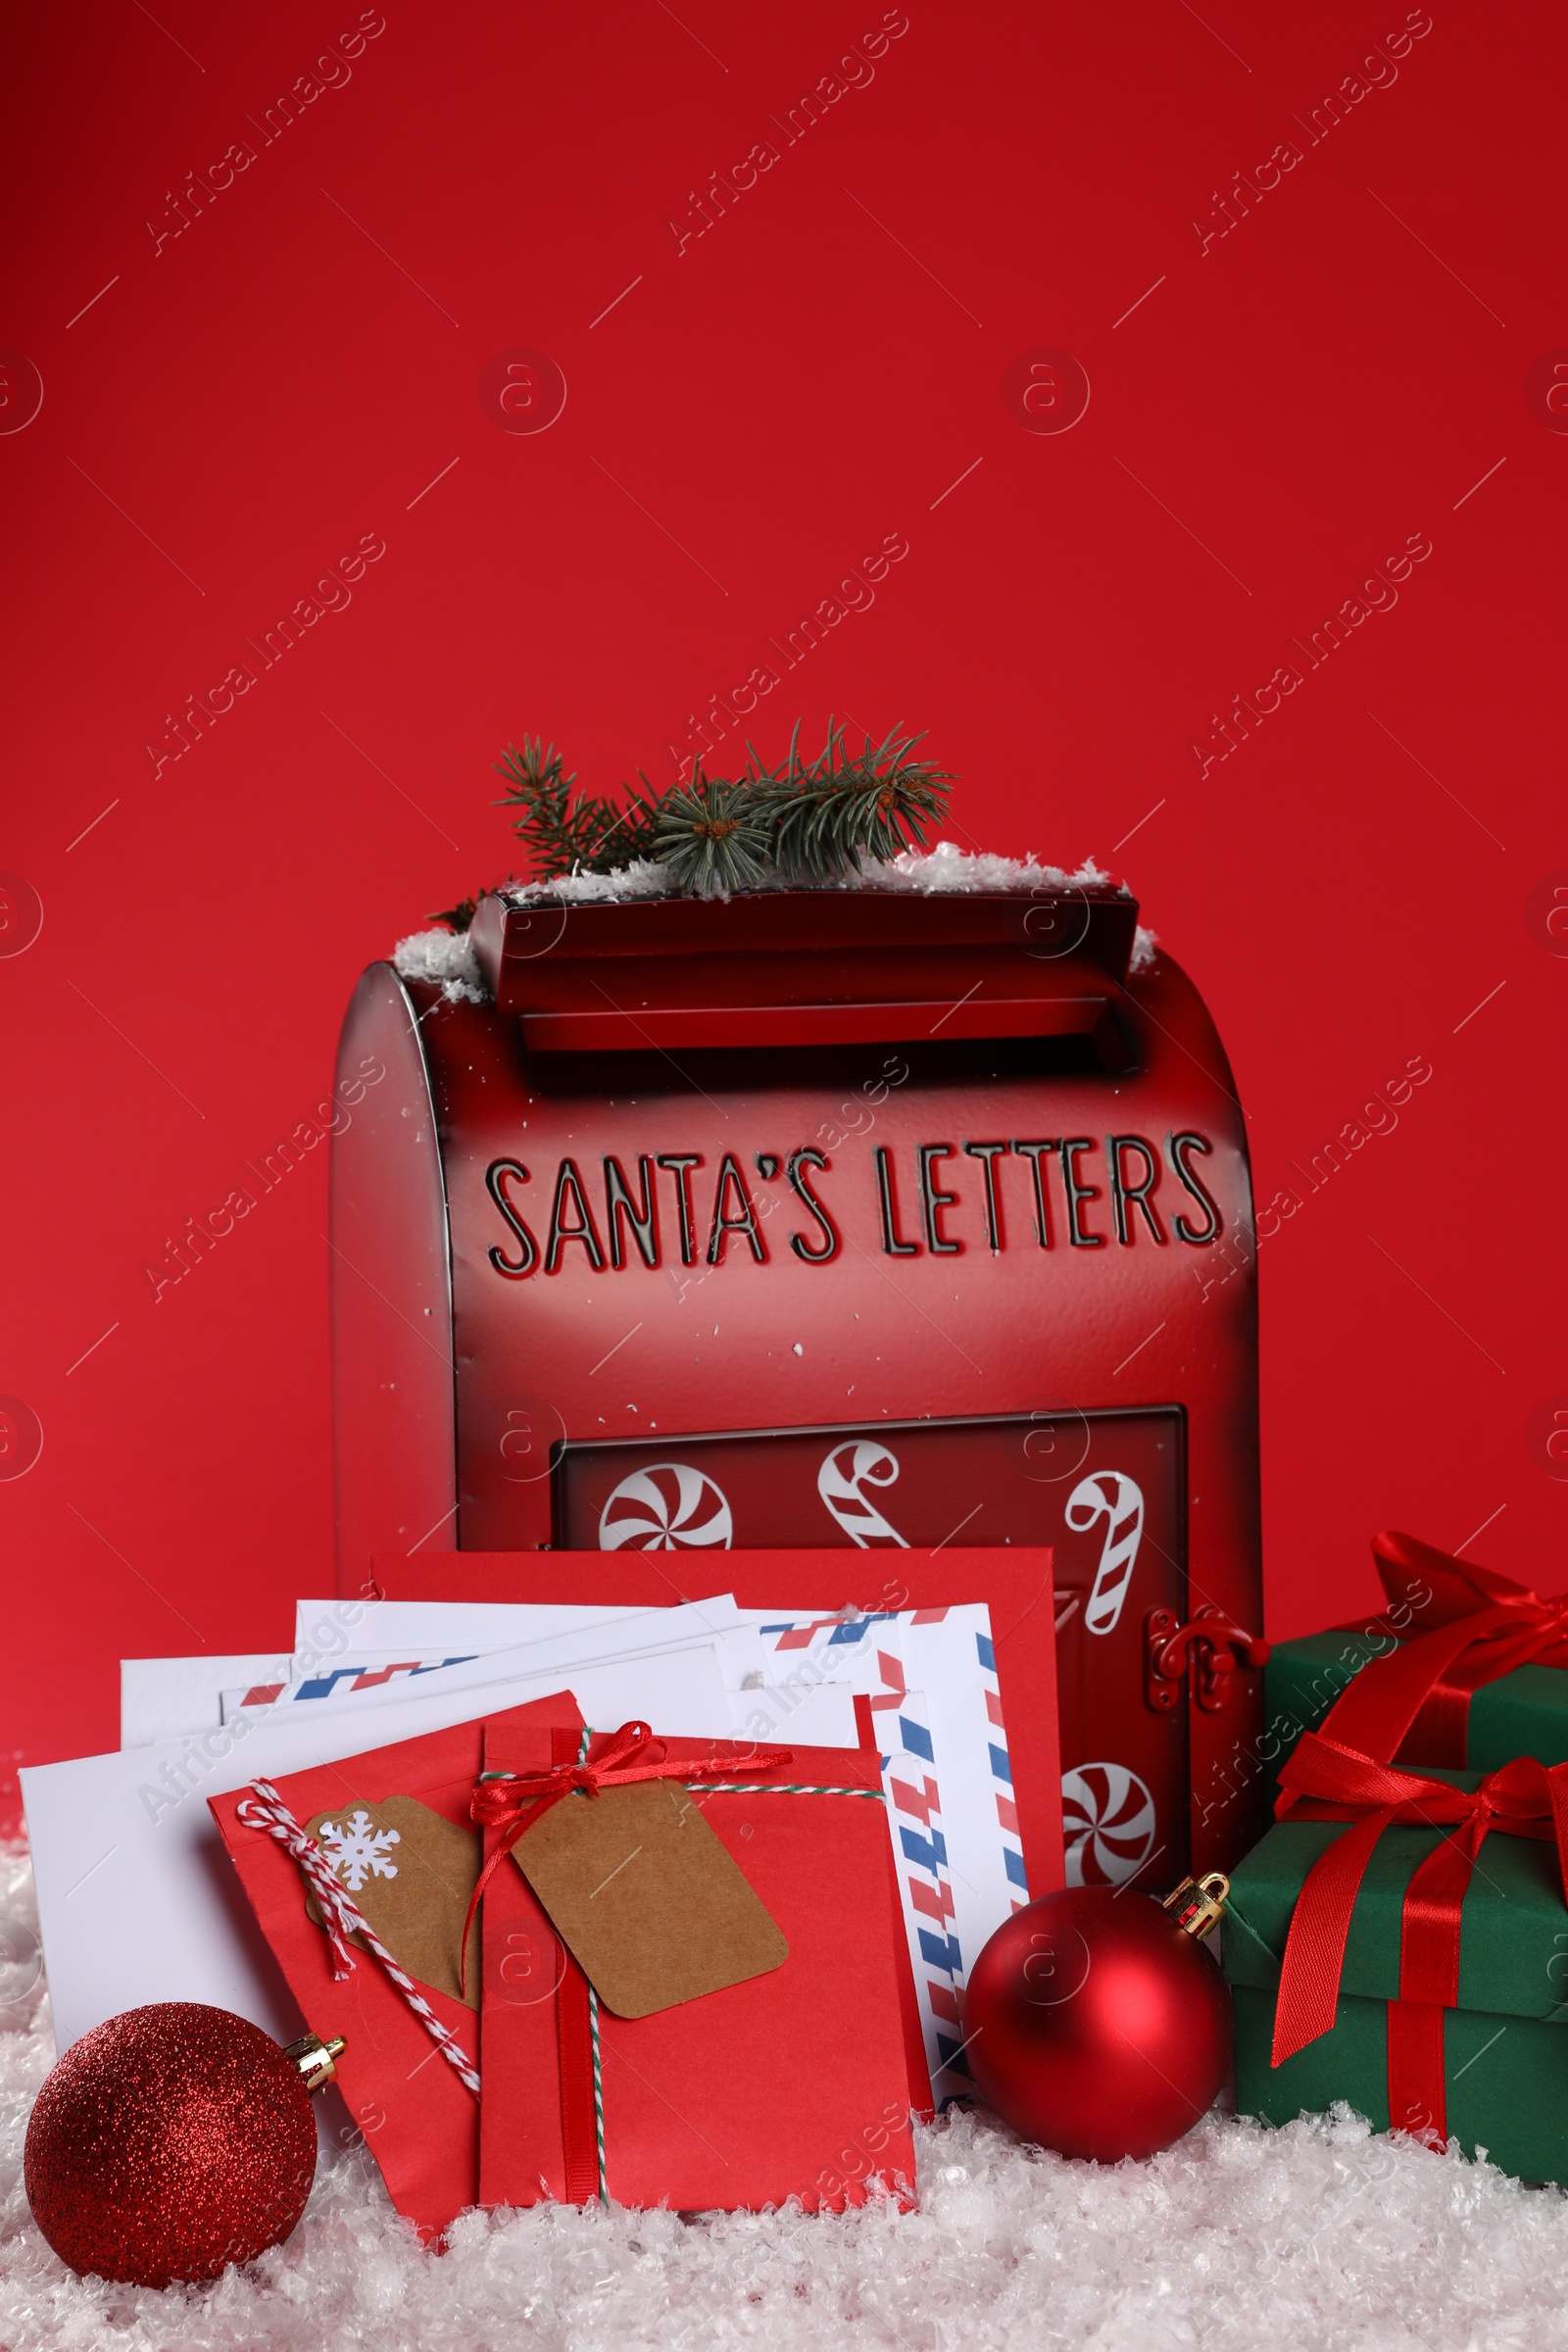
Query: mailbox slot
[765,1023]
[648,1070]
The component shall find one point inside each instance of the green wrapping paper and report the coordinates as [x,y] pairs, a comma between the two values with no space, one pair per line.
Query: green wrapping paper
[1522,1714]
[1507,2092]
[1505,2046]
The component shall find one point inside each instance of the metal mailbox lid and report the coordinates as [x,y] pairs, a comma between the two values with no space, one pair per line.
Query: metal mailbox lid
[701,1242]
[808,967]
[542,950]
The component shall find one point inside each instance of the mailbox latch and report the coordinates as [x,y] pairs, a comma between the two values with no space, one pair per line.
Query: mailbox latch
[1210,1643]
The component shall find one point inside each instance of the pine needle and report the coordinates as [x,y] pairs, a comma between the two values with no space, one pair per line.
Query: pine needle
[805,821]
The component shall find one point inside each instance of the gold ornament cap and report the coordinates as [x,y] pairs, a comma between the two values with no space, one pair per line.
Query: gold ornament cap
[316,2059]
[1197,1905]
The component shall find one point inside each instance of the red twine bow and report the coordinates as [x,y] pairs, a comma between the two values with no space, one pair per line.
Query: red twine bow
[513,1802]
[1473,1627]
[1326,1782]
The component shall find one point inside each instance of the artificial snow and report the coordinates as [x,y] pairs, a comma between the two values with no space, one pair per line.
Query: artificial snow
[643,879]
[946,871]
[1317,2238]
[445,957]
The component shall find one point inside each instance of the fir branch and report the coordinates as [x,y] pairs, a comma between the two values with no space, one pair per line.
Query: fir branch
[559,831]
[809,821]
[839,808]
[568,835]
[714,836]
[627,833]
[457,918]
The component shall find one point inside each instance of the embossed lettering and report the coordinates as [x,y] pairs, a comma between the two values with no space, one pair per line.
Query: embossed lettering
[1078,1194]
[568,1188]
[631,1204]
[1177,1148]
[932,1201]
[681,1165]
[494,1186]
[1125,1196]
[731,1181]
[799,1161]
[621,1210]
[1034,1152]
[884,1189]
[988,1154]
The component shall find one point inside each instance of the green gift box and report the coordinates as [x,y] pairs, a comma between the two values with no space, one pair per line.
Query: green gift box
[1465,1667]
[1505,2045]
[1524,1713]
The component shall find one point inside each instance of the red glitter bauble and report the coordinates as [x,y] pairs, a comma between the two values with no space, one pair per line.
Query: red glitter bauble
[169,2143]
[1097,2025]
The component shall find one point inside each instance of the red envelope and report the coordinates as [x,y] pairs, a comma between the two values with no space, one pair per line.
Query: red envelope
[421,2122]
[799,2083]
[1013,1580]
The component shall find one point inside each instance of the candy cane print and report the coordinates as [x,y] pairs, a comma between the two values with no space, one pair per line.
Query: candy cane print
[842,1481]
[1118,1499]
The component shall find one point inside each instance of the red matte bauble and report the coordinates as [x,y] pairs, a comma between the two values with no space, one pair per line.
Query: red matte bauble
[1097,2025]
[169,2143]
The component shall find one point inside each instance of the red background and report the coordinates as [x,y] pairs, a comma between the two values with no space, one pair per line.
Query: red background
[296,369]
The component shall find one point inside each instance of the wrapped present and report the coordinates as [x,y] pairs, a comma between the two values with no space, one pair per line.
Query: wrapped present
[697,1990]
[1375,1956]
[360,1874]
[1465,1668]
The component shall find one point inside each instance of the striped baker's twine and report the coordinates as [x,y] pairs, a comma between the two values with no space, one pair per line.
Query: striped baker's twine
[263,1809]
[593,2036]
[599,2096]
[775,1789]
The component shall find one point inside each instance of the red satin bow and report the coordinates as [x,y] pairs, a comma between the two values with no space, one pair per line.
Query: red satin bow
[1474,1626]
[512,1802]
[1326,1782]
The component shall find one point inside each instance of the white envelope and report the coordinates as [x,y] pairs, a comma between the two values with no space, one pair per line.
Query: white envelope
[774,1718]
[137,1900]
[327,1630]
[161,1697]
[649,1634]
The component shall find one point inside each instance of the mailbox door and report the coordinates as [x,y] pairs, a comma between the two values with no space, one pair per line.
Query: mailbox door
[1107,1491]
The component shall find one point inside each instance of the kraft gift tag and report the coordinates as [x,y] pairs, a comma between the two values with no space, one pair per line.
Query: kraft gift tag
[647,1898]
[411,1871]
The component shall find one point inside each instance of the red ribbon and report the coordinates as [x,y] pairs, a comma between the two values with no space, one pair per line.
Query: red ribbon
[1324,1780]
[512,1802]
[1472,1627]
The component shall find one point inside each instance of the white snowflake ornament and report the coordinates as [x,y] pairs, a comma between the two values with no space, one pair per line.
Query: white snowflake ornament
[356,1849]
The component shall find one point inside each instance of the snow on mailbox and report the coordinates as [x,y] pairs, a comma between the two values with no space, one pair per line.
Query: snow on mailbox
[902,1215]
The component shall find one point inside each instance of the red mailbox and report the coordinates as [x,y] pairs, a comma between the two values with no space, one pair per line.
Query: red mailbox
[840,1216]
